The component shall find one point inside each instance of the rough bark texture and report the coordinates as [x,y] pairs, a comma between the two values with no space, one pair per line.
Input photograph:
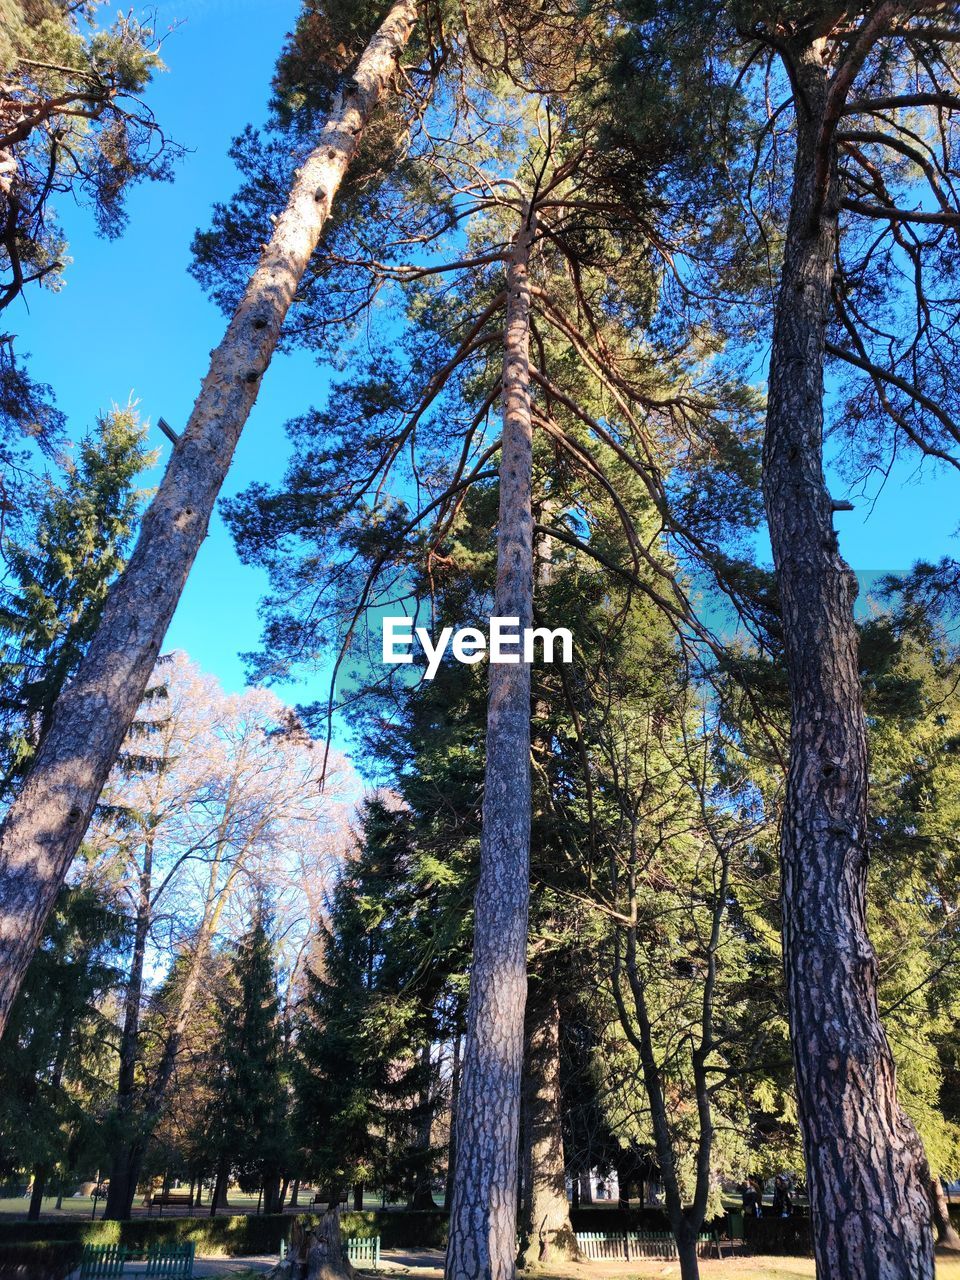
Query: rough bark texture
[483,1216]
[455,1073]
[866,1171]
[947,1237]
[545,1232]
[316,1252]
[45,825]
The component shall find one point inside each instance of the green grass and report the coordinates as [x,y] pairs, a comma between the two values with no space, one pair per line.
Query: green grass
[83,1207]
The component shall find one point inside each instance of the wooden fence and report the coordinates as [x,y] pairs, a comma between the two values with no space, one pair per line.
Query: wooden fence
[626,1245]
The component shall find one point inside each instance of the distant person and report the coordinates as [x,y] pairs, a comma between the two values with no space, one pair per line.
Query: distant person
[751,1201]
[782,1199]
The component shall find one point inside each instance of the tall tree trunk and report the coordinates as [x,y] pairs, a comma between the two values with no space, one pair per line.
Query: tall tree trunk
[358,1197]
[455,1073]
[546,1233]
[295,1194]
[947,1236]
[483,1217]
[866,1172]
[45,825]
[129,1158]
[421,1195]
[121,1191]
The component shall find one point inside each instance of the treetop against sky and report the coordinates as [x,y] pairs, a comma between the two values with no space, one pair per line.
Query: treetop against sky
[146,328]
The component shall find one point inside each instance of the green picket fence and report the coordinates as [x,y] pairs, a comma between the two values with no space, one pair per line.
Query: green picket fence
[360,1249]
[164,1261]
[627,1245]
[364,1251]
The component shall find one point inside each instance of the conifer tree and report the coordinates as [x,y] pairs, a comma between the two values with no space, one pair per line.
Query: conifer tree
[59,570]
[50,1112]
[43,829]
[72,124]
[248,1103]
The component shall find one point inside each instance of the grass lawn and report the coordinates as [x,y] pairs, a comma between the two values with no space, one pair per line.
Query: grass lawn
[83,1206]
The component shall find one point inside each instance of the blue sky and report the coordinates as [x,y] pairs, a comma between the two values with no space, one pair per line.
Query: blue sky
[130,320]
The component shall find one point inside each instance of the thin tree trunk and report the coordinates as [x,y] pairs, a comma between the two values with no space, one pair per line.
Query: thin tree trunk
[586,1187]
[947,1236]
[483,1217]
[421,1196]
[46,823]
[546,1233]
[295,1195]
[121,1191]
[866,1171]
[358,1197]
[455,1073]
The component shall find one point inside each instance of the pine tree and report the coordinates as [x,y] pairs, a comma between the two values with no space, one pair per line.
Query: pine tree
[60,569]
[49,1060]
[86,728]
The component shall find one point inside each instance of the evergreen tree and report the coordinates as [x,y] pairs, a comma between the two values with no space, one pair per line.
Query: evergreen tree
[58,573]
[249,1100]
[366,1017]
[87,729]
[52,1059]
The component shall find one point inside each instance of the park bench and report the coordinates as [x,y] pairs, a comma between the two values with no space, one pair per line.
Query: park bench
[629,1245]
[168,1199]
[164,1261]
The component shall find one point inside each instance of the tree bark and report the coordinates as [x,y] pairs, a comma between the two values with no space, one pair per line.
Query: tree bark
[546,1233]
[421,1194]
[947,1236]
[45,825]
[866,1171]
[317,1253]
[455,1073]
[36,1196]
[483,1217]
[219,1198]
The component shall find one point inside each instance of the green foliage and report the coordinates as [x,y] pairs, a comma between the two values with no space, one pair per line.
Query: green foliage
[248,1104]
[71,122]
[52,1055]
[365,1016]
[39,1260]
[242,1235]
[59,569]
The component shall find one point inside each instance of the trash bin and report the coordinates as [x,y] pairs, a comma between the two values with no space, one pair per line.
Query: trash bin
[735,1224]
